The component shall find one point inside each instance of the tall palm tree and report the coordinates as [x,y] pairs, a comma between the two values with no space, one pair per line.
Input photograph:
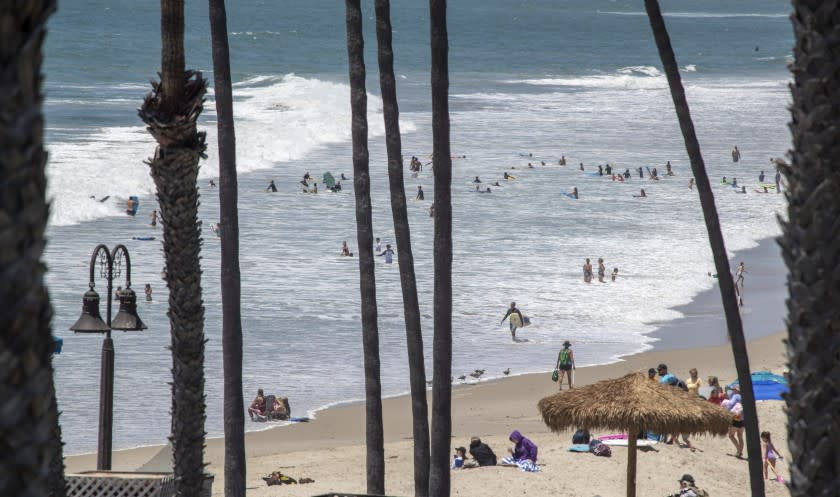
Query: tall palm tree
[364,235]
[234,415]
[811,253]
[399,210]
[31,462]
[707,203]
[170,111]
[439,481]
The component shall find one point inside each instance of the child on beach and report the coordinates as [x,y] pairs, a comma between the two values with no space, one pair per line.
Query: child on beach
[770,456]
[614,273]
[458,458]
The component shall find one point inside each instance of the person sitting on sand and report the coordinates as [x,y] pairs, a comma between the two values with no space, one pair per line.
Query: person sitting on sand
[482,453]
[257,406]
[458,458]
[523,454]
[688,488]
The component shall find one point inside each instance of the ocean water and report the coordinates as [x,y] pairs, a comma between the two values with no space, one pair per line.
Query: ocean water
[540,77]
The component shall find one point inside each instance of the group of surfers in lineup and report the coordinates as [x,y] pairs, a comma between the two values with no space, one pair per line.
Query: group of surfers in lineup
[331,184]
[602,271]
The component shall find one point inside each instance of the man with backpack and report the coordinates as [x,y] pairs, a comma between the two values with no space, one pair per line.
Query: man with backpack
[565,364]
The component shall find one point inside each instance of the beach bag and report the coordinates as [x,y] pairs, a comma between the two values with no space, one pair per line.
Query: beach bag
[600,449]
[565,357]
[555,375]
[581,437]
[681,384]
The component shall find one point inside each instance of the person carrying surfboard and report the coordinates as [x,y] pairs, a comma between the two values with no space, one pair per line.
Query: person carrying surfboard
[565,364]
[516,319]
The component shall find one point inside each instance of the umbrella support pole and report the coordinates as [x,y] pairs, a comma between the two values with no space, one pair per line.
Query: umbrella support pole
[631,461]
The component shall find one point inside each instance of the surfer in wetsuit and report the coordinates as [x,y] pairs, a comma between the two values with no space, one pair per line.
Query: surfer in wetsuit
[515,322]
[641,173]
[271,187]
[389,254]
[761,177]
[506,176]
[420,195]
[575,193]
[668,169]
[627,174]
[476,180]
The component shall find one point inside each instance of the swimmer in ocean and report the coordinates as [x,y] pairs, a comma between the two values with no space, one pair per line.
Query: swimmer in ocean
[575,192]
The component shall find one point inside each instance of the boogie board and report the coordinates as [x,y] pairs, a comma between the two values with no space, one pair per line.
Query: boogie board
[592,173]
[569,195]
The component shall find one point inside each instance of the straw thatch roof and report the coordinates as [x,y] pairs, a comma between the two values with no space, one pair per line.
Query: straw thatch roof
[633,402]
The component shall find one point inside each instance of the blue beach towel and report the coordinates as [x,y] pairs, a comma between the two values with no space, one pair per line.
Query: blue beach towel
[579,448]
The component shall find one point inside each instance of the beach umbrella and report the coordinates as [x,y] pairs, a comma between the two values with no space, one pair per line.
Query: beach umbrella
[633,403]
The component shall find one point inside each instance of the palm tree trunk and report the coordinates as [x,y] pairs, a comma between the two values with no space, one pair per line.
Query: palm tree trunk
[364,235]
[707,203]
[170,111]
[399,210]
[810,251]
[439,478]
[31,462]
[234,415]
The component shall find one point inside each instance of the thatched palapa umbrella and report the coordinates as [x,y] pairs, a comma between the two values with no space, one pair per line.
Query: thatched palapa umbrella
[630,404]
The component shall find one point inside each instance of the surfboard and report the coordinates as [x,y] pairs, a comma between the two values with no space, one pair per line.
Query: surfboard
[592,173]
[515,320]
[769,186]
[510,177]
[143,238]
[761,191]
[623,442]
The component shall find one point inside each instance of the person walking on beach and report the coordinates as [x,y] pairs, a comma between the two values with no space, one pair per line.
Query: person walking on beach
[587,272]
[565,364]
[736,154]
[420,195]
[739,274]
[736,430]
[516,319]
[602,270]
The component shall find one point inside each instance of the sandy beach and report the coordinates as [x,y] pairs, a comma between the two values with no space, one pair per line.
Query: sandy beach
[330,449]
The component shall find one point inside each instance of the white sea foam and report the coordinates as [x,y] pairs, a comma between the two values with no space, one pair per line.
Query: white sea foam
[278,118]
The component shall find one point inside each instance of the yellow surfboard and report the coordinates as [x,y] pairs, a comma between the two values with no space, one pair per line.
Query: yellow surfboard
[515,320]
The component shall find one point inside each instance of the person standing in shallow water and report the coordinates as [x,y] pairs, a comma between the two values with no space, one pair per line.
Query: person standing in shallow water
[516,319]
[602,270]
[420,195]
[587,272]
[736,154]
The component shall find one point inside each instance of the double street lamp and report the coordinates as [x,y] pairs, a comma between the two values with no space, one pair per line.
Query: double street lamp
[110,267]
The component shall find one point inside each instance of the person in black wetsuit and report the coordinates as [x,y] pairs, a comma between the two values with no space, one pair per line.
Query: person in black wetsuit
[600,170]
[482,453]
[513,310]
[641,173]
[626,174]
[420,195]
[476,180]
[271,187]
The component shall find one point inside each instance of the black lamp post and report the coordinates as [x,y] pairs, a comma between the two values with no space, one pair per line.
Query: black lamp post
[110,267]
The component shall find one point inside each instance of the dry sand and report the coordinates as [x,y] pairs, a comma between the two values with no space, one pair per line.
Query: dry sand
[330,449]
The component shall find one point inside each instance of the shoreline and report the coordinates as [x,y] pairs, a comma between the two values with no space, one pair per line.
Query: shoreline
[701,326]
[489,409]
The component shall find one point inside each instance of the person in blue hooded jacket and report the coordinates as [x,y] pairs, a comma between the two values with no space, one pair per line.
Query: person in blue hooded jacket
[523,454]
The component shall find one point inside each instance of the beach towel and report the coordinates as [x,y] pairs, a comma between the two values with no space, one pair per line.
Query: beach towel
[523,464]
[579,448]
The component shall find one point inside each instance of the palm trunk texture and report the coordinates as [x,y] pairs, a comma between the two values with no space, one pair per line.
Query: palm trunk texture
[364,235]
[31,461]
[439,478]
[408,281]
[707,203]
[171,119]
[234,415]
[810,249]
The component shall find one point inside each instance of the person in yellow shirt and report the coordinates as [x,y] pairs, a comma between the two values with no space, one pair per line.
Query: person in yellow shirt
[693,382]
